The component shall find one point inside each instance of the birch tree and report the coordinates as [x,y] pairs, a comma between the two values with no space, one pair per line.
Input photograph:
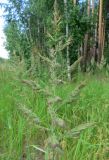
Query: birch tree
[67,35]
[74,2]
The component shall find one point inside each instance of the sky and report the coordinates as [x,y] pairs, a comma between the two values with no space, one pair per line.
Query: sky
[3,51]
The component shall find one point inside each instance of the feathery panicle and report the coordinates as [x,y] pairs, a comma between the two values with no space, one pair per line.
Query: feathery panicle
[54,100]
[32,84]
[29,114]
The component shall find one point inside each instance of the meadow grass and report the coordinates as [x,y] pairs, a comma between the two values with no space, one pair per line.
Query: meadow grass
[20,136]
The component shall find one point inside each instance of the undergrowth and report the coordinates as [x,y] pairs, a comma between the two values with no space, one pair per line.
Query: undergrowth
[28,132]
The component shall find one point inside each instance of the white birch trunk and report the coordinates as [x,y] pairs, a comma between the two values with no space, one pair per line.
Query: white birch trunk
[93,6]
[67,35]
[74,2]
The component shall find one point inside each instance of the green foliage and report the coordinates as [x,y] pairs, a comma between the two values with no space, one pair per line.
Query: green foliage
[1,60]
[29,21]
[79,24]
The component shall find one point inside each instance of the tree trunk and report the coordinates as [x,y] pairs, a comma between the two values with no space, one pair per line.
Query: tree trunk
[100,30]
[74,2]
[67,35]
[95,47]
[103,36]
[86,41]
[93,6]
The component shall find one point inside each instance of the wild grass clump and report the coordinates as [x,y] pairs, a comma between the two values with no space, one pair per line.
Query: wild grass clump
[74,130]
[52,120]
